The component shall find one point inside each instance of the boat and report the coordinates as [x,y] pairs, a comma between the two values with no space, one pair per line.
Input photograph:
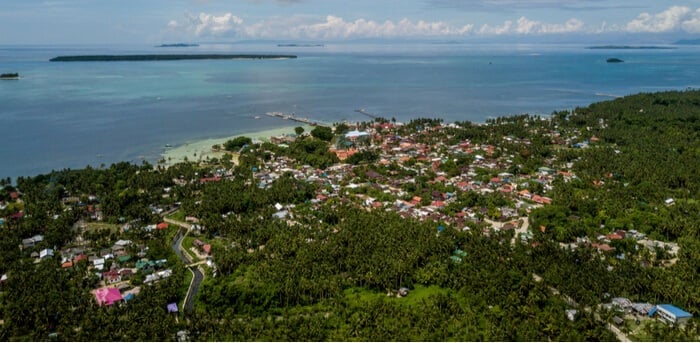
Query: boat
[9,76]
[257,117]
[168,146]
[614,60]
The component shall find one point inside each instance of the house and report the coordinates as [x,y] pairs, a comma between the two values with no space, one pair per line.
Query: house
[81,257]
[30,242]
[602,247]
[126,273]
[162,226]
[118,250]
[671,314]
[46,253]
[280,214]
[107,296]
[541,200]
[123,242]
[145,265]
[642,308]
[111,276]
[99,263]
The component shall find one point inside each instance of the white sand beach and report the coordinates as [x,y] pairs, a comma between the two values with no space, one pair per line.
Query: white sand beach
[201,150]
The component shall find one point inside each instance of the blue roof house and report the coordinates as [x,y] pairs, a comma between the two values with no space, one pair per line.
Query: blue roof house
[671,314]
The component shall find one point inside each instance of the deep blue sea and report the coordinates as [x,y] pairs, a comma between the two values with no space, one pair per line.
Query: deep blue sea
[68,115]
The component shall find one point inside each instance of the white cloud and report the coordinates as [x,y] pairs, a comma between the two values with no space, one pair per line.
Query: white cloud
[208,24]
[333,27]
[673,19]
[496,30]
[676,18]
[337,28]
[524,26]
[692,25]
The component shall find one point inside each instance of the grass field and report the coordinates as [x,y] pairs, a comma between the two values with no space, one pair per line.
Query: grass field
[177,215]
[414,297]
[90,227]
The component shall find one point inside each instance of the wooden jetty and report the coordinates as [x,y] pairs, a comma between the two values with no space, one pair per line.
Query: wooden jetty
[362,111]
[292,117]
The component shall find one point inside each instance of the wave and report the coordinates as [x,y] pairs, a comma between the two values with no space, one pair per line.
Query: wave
[607,95]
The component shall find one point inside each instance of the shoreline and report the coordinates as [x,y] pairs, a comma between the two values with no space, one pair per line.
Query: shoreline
[201,150]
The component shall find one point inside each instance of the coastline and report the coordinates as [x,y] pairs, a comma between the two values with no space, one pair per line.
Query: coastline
[201,150]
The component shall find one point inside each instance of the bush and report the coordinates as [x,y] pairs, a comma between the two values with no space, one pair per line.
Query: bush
[237,143]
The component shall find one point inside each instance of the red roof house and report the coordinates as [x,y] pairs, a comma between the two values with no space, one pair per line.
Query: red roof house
[79,258]
[111,276]
[162,226]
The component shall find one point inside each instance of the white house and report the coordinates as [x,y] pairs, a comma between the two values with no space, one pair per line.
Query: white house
[46,253]
[671,314]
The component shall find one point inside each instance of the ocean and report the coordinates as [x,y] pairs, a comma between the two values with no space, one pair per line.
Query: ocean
[70,115]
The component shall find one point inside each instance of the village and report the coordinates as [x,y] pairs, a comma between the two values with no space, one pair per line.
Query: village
[426,155]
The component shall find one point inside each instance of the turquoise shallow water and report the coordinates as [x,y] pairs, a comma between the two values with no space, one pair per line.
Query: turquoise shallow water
[74,114]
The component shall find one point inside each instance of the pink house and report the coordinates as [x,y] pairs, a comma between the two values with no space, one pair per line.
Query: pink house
[107,296]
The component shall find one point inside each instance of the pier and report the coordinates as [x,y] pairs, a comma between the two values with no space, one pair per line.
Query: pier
[362,111]
[292,117]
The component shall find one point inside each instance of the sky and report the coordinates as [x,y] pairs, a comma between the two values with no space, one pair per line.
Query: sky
[168,21]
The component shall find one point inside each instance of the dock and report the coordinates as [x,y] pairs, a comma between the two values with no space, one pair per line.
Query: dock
[292,117]
[362,111]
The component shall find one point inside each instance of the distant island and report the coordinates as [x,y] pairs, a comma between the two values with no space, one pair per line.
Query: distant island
[300,45]
[614,60]
[119,58]
[177,45]
[687,42]
[9,76]
[630,47]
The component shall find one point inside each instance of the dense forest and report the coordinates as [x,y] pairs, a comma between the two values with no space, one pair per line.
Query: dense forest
[334,270]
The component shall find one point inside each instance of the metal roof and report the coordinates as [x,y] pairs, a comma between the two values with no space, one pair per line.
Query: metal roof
[675,311]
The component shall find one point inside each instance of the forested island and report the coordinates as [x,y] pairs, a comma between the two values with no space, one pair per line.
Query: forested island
[614,60]
[631,47]
[579,226]
[9,76]
[163,57]
[687,42]
[300,45]
[177,45]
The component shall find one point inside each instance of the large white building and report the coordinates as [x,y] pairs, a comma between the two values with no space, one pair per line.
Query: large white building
[671,314]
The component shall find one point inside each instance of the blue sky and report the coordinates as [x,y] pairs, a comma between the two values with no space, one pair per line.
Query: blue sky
[155,21]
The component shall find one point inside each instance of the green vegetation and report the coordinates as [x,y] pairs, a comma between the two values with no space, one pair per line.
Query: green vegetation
[160,57]
[323,133]
[308,252]
[237,143]
[9,76]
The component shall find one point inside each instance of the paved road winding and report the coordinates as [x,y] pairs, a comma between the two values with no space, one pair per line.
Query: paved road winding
[198,276]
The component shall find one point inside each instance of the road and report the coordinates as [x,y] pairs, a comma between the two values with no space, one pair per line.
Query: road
[198,275]
[185,226]
[522,229]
